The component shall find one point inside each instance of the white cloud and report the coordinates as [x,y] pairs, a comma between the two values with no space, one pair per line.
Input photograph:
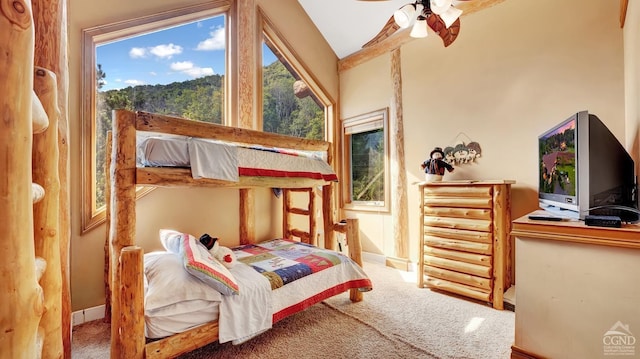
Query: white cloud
[199,72]
[214,42]
[153,73]
[134,82]
[181,66]
[137,52]
[187,67]
[166,51]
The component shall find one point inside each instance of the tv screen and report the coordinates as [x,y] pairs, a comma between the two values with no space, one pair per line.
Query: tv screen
[584,170]
[557,154]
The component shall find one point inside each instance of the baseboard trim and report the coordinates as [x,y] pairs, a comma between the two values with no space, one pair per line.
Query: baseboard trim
[87,315]
[519,353]
[399,263]
[373,258]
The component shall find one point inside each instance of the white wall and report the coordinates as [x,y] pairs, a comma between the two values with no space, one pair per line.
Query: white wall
[632,79]
[515,70]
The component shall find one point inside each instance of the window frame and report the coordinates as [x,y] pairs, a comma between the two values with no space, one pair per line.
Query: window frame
[269,33]
[363,120]
[92,216]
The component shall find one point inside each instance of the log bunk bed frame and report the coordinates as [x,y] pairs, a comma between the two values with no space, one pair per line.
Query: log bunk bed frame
[126,259]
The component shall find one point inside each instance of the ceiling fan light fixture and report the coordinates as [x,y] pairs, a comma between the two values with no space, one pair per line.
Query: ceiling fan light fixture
[419,28]
[450,16]
[405,15]
[440,6]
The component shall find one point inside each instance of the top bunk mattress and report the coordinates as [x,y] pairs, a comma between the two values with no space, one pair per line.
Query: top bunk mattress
[228,161]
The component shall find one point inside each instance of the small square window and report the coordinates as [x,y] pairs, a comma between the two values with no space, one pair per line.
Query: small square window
[366,166]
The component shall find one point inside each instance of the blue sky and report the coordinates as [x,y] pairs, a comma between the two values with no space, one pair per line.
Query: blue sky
[180,53]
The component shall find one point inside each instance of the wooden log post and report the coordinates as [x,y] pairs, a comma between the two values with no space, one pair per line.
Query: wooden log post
[20,294]
[327,216]
[355,252]
[287,204]
[50,45]
[399,206]
[123,218]
[46,212]
[131,294]
[312,217]
[107,251]
[247,216]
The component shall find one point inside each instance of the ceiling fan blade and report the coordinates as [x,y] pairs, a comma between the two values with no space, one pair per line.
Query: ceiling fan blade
[387,30]
[448,35]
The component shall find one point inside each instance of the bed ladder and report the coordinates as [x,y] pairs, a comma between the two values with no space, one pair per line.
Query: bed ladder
[289,210]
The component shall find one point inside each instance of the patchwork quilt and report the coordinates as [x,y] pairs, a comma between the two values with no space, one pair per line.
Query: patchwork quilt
[283,261]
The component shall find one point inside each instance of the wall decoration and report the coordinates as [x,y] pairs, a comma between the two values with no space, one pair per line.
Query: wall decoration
[464,151]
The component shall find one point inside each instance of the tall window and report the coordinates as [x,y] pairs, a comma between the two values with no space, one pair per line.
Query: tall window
[366,168]
[173,63]
[292,103]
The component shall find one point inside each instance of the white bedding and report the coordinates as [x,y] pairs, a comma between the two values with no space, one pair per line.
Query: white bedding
[176,301]
[248,313]
[224,161]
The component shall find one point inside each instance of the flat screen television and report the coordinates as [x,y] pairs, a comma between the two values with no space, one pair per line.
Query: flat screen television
[585,170]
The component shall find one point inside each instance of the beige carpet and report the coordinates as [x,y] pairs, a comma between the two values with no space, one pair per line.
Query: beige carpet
[395,320]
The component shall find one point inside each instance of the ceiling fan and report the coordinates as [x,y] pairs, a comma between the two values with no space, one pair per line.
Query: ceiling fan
[440,15]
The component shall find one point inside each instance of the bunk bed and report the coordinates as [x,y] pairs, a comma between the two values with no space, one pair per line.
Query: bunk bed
[126,260]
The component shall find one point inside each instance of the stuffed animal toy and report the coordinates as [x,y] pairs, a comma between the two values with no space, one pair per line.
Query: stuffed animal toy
[435,166]
[224,255]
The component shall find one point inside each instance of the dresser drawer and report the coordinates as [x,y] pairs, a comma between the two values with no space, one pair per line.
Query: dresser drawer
[473,258]
[481,225]
[461,202]
[462,278]
[458,288]
[458,245]
[457,266]
[475,213]
[452,233]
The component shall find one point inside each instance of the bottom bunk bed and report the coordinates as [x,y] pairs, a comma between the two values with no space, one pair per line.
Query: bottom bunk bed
[159,306]
[175,301]
[269,281]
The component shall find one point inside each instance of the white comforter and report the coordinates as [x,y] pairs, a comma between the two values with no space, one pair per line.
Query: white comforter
[251,311]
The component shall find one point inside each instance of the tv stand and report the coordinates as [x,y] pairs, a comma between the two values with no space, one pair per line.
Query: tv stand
[574,284]
[560,212]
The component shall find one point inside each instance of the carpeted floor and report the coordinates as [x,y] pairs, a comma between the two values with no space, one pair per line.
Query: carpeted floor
[396,320]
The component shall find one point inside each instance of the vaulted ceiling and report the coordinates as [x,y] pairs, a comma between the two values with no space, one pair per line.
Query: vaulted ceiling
[349,24]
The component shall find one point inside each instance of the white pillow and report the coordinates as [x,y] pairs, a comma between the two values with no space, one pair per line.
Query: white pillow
[171,240]
[169,283]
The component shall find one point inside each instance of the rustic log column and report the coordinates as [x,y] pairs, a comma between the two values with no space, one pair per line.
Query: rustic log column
[247,216]
[328,218]
[131,294]
[50,24]
[246,11]
[399,206]
[247,51]
[107,251]
[355,252]
[20,294]
[45,213]
[123,215]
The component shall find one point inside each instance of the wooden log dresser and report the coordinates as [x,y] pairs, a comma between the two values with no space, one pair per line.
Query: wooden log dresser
[464,238]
